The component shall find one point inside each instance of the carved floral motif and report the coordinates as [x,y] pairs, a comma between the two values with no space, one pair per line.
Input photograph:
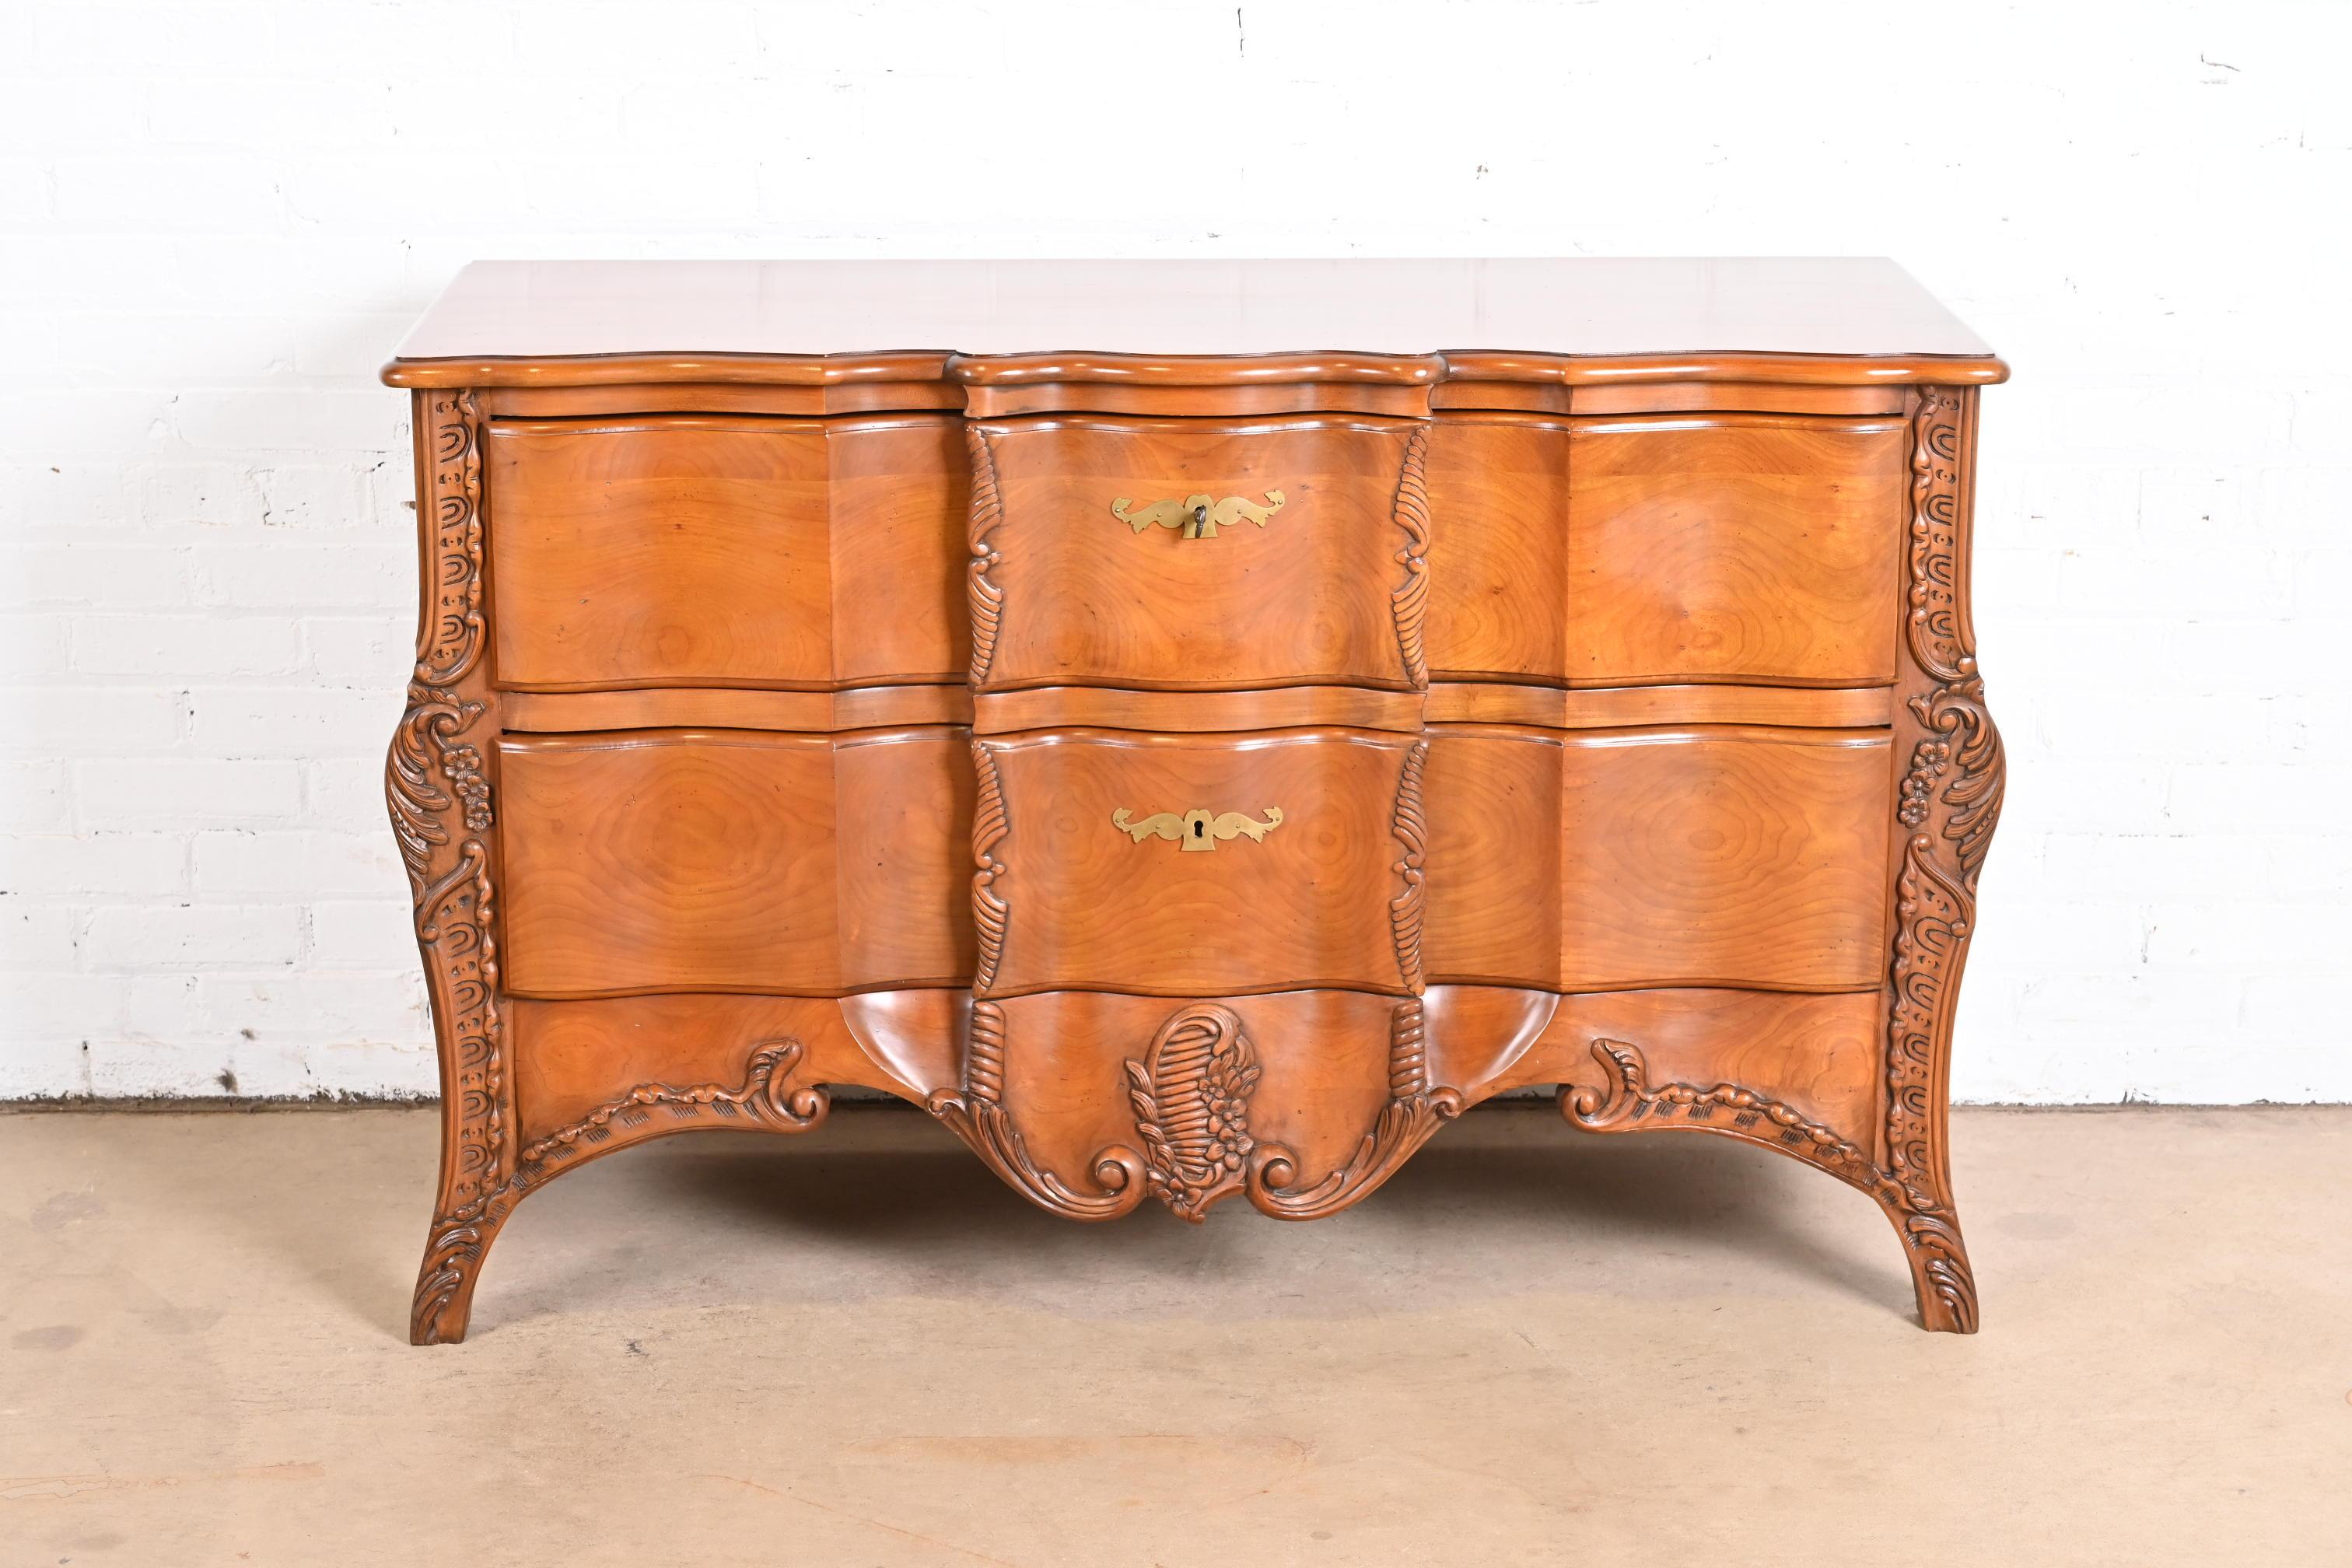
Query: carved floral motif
[1190,1093]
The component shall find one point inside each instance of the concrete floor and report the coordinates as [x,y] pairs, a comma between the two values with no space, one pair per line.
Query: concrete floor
[857,1348]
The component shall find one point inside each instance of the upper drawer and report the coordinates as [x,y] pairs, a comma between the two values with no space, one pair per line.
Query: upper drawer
[1197,554]
[690,551]
[1742,547]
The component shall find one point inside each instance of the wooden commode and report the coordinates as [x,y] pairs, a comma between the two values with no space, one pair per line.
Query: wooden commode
[1193,727]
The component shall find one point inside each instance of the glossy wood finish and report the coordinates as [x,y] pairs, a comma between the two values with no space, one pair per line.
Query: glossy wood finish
[1597,706]
[864,707]
[693,551]
[1497,703]
[1307,905]
[1734,547]
[799,320]
[1727,547]
[1280,708]
[1307,595]
[736,861]
[1618,860]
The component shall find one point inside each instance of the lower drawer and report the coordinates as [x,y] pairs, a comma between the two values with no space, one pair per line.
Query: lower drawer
[1198,864]
[1700,855]
[735,860]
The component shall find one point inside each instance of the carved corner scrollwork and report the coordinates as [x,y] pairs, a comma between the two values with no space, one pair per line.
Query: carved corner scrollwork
[991,915]
[1949,803]
[985,598]
[1410,828]
[1628,1101]
[439,792]
[449,636]
[1409,602]
[976,1113]
[1942,640]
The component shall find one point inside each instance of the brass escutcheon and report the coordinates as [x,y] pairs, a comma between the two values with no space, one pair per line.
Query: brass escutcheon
[1197,830]
[1199,516]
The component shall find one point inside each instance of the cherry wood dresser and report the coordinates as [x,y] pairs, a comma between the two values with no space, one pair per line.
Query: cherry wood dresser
[1194,728]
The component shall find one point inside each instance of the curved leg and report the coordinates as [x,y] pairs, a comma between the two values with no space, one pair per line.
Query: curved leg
[454,1250]
[1940,1274]
[768,1100]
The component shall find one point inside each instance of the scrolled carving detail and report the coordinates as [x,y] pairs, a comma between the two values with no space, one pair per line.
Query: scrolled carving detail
[438,791]
[769,1098]
[1409,602]
[986,599]
[422,747]
[1627,1101]
[449,637]
[1410,828]
[991,915]
[1938,623]
[1415,1110]
[1191,1095]
[1949,803]
[976,1113]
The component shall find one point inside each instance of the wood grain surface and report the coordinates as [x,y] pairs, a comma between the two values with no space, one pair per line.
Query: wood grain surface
[1730,547]
[1734,547]
[1701,854]
[700,551]
[1305,598]
[1092,907]
[735,860]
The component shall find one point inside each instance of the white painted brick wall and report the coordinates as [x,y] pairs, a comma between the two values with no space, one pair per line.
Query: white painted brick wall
[216,218]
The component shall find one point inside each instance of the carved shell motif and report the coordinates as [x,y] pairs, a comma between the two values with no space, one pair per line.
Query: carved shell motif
[1190,1093]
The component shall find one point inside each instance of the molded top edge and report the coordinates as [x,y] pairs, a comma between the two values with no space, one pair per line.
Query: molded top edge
[819,322]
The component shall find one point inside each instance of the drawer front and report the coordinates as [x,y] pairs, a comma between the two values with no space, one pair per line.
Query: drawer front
[714,552]
[1751,548]
[1198,865]
[1619,859]
[1737,547]
[1197,554]
[1498,509]
[734,860]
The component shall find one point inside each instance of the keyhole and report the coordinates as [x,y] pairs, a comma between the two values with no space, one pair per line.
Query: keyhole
[1196,829]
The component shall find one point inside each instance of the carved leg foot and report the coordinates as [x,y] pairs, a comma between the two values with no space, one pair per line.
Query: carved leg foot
[454,1250]
[1941,1275]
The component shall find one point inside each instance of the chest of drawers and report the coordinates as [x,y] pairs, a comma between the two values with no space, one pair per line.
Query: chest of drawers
[1194,728]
